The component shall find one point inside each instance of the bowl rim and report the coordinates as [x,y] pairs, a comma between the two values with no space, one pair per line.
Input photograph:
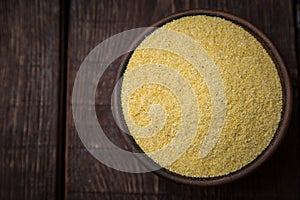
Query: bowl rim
[286,90]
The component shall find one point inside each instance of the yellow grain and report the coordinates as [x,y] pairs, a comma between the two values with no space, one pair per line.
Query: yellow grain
[253,94]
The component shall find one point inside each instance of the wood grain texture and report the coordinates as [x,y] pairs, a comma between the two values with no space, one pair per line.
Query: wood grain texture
[93,21]
[29,54]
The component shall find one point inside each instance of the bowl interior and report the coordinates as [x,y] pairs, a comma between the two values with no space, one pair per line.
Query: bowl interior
[285,115]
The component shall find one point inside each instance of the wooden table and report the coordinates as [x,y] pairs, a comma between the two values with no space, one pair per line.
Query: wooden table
[42,44]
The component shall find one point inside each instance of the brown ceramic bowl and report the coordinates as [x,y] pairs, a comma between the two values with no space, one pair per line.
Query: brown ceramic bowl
[285,116]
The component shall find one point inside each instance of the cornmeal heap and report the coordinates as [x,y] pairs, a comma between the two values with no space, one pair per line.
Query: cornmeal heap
[201,96]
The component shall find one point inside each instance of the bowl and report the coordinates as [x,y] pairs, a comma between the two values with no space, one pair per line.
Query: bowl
[286,94]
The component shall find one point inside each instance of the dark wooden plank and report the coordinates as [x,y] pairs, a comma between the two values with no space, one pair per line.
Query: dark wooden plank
[29,54]
[122,196]
[90,23]
[93,21]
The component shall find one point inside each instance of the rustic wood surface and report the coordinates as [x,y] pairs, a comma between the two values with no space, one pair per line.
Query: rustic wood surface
[29,88]
[43,43]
